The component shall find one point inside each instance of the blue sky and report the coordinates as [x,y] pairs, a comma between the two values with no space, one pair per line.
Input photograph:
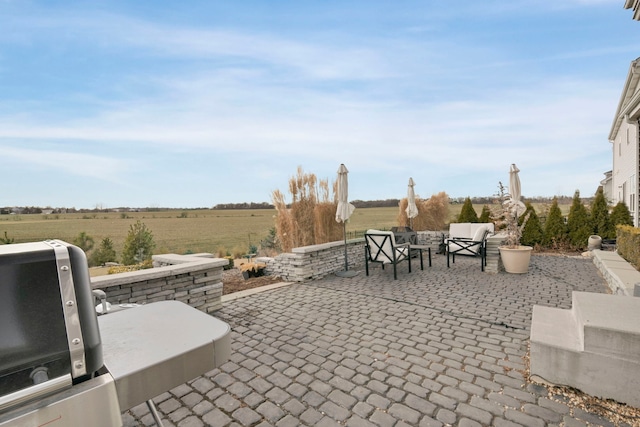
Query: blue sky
[195,103]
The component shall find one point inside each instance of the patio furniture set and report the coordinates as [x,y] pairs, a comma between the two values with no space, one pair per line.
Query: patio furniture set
[396,246]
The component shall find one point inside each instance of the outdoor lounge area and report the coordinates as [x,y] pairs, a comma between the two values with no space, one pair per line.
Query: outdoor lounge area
[439,346]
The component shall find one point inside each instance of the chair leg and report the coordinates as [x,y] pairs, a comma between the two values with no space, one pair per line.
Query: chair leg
[429,249]
[409,259]
[421,262]
[447,258]
[366,261]
[395,274]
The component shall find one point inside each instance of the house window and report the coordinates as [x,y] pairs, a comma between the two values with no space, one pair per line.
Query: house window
[628,136]
[632,193]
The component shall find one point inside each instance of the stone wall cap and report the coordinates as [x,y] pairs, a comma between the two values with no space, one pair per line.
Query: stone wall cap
[194,264]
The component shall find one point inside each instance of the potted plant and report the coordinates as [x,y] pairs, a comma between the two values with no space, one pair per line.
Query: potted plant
[252,269]
[515,257]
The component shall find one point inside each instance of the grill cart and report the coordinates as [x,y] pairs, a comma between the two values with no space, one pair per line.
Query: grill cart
[61,365]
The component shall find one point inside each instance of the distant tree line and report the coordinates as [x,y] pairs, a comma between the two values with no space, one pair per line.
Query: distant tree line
[561,200]
[251,205]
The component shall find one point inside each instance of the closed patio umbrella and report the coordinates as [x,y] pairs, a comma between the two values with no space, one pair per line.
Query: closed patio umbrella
[515,194]
[343,212]
[412,209]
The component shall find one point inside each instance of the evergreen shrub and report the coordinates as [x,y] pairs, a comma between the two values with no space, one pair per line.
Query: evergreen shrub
[579,225]
[467,213]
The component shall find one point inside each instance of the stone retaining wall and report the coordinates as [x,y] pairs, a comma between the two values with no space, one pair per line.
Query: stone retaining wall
[494,265]
[195,280]
[317,261]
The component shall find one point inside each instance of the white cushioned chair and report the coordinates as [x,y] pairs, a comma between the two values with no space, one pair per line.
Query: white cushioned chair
[381,247]
[468,239]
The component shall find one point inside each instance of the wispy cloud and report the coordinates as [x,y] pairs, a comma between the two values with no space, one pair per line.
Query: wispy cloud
[103,168]
[429,92]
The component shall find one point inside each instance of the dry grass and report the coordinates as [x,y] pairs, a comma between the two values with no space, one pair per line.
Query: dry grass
[200,231]
[215,231]
[433,213]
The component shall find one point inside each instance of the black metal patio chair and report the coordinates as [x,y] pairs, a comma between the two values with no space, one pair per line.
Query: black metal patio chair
[381,247]
[477,246]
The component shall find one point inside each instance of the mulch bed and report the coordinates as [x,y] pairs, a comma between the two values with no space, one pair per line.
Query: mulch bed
[232,281]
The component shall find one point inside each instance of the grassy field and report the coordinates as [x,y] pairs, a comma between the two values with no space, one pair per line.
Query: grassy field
[215,231]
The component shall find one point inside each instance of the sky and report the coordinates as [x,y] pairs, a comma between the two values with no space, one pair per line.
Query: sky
[202,102]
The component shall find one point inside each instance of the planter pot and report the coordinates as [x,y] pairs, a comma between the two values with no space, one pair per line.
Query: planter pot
[252,273]
[594,242]
[516,260]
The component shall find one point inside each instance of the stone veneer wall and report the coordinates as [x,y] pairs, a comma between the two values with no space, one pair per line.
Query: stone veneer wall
[193,279]
[494,265]
[317,261]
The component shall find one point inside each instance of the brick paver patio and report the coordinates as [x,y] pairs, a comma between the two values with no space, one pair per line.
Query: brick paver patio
[435,347]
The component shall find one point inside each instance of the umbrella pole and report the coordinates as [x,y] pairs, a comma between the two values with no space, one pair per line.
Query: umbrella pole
[344,232]
[346,272]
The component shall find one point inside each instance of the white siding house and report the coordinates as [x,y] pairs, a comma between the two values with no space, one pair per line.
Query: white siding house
[625,140]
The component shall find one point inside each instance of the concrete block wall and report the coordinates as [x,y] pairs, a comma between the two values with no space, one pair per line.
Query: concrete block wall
[194,280]
[621,276]
[315,261]
[494,265]
[431,238]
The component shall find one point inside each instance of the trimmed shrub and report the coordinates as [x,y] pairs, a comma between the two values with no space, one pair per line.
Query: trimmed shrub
[467,214]
[485,215]
[620,215]
[600,219]
[628,244]
[555,230]
[532,233]
[579,225]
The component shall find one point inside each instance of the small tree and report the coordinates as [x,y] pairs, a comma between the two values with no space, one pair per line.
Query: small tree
[104,254]
[532,233]
[467,213]
[6,240]
[485,215]
[620,215]
[555,230]
[139,244]
[600,217]
[84,241]
[578,223]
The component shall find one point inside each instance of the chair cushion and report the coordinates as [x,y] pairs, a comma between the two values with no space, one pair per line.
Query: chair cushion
[460,229]
[479,234]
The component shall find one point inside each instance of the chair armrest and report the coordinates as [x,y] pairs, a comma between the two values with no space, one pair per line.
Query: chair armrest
[403,244]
